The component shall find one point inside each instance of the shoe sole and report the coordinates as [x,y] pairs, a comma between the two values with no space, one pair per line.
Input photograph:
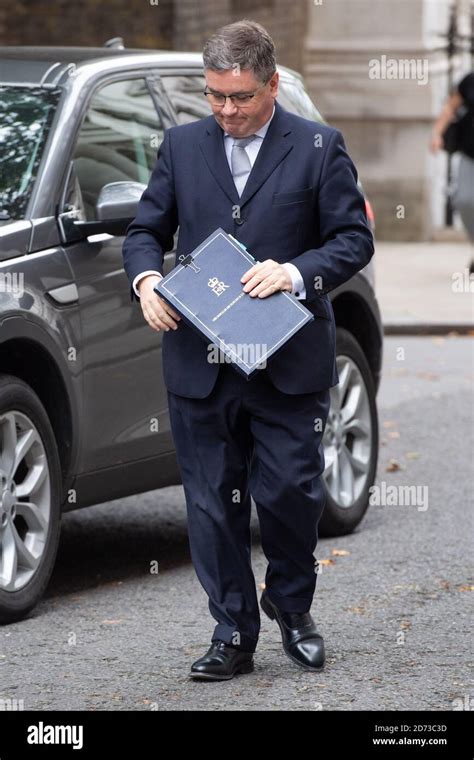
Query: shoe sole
[268,610]
[245,668]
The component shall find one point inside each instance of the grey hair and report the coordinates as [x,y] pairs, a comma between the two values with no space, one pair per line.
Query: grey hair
[242,45]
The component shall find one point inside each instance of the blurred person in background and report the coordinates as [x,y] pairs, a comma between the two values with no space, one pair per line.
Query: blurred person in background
[460,99]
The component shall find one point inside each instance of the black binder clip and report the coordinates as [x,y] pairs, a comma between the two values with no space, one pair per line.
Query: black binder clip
[188,261]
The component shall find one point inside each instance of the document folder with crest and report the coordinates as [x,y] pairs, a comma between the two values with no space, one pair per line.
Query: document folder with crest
[205,289]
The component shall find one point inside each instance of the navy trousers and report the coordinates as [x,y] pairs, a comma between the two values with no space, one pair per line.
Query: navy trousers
[246,439]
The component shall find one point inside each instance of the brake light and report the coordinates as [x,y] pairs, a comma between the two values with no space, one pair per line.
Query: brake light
[370,213]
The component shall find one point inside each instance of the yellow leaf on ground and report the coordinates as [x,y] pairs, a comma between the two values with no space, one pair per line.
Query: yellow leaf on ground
[111,622]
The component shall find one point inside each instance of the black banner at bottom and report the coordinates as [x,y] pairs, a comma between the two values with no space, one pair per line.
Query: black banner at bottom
[78,734]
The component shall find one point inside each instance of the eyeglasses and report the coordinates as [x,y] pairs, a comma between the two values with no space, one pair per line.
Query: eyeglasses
[240,99]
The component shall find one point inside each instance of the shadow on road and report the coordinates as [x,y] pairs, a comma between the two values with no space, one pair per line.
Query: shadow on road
[118,540]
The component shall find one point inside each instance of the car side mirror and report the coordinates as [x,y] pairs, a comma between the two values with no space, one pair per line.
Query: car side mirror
[116,207]
[118,200]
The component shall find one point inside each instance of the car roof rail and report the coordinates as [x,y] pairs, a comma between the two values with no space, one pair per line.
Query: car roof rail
[115,42]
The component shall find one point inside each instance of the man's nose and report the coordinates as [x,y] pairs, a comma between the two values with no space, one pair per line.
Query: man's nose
[228,109]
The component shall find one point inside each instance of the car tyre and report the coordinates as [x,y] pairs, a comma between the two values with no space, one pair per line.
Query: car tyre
[30,499]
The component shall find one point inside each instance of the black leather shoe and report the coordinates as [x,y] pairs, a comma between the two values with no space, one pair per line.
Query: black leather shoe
[221,662]
[301,641]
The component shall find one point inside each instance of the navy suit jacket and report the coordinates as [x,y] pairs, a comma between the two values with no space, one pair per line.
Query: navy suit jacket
[301,204]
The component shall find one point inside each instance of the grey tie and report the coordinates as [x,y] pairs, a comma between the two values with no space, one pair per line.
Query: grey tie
[240,162]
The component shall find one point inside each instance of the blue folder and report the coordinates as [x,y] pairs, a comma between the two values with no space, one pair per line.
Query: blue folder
[205,289]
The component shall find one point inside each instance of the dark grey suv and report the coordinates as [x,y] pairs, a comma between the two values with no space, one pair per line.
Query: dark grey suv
[83,407]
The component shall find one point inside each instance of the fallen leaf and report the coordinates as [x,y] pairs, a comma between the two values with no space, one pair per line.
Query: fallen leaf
[466,588]
[393,466]
[340,552]
[327,561]
[111,622]
[412,454]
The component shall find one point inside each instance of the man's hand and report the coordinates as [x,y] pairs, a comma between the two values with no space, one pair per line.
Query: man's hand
[158,314]
[266,278]
[436,143]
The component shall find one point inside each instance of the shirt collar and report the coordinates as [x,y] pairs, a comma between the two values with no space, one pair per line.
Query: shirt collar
[263,130]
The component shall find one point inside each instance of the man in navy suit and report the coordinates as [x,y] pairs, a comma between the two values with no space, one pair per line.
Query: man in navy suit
[286,187]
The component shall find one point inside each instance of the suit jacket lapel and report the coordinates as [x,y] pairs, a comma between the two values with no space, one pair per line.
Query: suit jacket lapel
[276,145]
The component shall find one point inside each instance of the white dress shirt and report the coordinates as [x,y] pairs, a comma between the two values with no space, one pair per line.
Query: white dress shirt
[251,149]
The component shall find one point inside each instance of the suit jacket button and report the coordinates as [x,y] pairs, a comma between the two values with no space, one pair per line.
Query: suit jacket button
[239,221]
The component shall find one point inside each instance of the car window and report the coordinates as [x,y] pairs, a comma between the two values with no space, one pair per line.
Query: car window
[294,98]
[118,140]
[186,96]
[26,115]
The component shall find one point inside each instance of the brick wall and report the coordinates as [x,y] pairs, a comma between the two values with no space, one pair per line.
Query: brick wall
[88,22]
[167,24]
[285,20]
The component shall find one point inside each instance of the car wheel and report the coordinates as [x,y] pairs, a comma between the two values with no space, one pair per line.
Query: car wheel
[30,499]
[350,440]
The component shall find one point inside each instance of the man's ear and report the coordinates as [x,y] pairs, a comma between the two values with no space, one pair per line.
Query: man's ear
[274,83]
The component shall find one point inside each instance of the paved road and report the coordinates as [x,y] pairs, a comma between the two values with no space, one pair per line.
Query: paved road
[394,613]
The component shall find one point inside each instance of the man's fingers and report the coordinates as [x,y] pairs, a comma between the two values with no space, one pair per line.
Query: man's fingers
[257,278]
[152,322]
[156,311]
[169,310]
[152,319]
[164,318]
[162,308]
[157,316]
[258,268]
[251,272]
[157,322]
[266,288]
